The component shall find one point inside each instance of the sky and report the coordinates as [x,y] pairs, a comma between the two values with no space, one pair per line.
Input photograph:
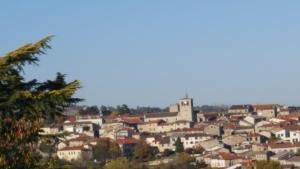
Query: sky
[151,53]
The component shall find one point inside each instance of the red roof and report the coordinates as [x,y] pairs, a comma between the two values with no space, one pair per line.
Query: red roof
[264,106]
[136,120]
[283,145]
[126,141]
[72,119]
[228,156]
[292,127]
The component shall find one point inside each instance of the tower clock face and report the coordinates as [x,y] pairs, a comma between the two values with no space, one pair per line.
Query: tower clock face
[184,103]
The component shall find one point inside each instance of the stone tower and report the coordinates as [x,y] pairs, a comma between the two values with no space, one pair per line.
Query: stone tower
[186,109]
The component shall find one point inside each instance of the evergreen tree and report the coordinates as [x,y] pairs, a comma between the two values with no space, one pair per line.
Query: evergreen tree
[179,146]
[26,105]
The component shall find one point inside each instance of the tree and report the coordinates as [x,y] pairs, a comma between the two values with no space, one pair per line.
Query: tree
[273,138]
[123,109]
[267,165]
[119,163]
[183,161]
[142,150]
[105,111]
[168,152]
[105,150]
[89,110]
[179,146]
[114,150]
[26,104]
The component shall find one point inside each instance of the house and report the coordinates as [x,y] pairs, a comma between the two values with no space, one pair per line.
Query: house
[163,143]
[109,129]
[85,127]
[293,133]
[75,153]
[126,145]
[281,157]
[256,138]
[150,126]
[93,118]
[263,155]
[258,147]
[207,116]
[278,147]
[240,109]
[295,161]
[281,133]
[160,126]
[236,129]
[52,129]
[252,120]
[132,121]
[124,133]
[266,110]
[213,129]
[284,111]
[233,140]
[223,160]
[211,145]
[190,140]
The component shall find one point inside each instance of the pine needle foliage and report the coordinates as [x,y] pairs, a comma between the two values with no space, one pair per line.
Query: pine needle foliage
[25,105]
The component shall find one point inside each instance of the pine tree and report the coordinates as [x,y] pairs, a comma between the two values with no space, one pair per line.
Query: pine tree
[26,105]
[179,146]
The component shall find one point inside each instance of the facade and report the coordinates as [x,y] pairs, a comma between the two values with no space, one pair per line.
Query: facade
[266,110]
[283,147]
[240,109]
[190,140]
[213,129]
[96,119]
[74,153]
[185,112]
[162,127]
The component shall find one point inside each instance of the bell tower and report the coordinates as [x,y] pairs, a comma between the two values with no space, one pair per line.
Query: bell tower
[186,111]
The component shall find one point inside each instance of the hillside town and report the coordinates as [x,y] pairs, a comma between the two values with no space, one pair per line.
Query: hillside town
[235,138]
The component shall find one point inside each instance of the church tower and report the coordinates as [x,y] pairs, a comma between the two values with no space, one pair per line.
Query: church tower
[186,111]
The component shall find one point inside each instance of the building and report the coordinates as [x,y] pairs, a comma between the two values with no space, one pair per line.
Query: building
[126,145]
[283,146]
[185,112]
[240,109]
[74,153]
[266,110]
[213,129]
[190,140]
[223,160]
[160,126]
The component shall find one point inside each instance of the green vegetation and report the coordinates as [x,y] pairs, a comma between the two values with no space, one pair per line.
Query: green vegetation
[25,105]
[179,146]
[142,151]
[106,150]
[267,165]
[119,163]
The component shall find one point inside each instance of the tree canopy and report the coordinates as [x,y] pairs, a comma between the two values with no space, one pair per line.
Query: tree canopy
[179,148]
[25,105]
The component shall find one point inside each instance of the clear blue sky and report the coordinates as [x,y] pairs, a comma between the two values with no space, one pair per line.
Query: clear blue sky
[153,52]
